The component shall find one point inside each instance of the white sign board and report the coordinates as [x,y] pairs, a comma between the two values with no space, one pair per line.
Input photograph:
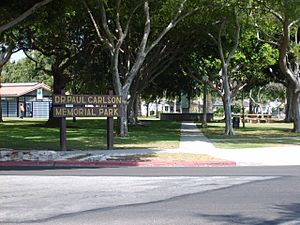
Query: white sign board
[39,94]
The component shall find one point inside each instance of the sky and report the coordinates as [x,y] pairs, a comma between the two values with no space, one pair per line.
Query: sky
[17,56]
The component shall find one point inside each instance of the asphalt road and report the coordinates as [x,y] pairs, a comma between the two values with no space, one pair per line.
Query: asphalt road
[171,196]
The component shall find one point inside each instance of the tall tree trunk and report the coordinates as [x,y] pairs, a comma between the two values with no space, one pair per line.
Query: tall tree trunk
[4,57]
[251,106]
[204,117]
[137,108]
[289,104]
[122,121]
[209,103]
[227,104]
[293,76]
[1,118]
[296,111]
[59,83]
[131,110]
[147,110]
[225,62]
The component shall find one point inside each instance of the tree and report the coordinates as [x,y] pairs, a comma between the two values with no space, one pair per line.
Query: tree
[262,95]
[63,47]
[9,18]
[25,70]
[113,29]
[288,21]
[166,54]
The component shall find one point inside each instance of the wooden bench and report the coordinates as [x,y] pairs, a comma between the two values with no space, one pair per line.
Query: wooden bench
[256,118]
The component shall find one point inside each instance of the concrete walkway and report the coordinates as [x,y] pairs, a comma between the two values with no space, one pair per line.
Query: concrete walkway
[193,141]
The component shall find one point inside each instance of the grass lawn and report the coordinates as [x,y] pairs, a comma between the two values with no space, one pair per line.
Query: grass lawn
[84,134]
[253,135]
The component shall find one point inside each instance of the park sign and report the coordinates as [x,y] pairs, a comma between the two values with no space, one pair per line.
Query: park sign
[86,105]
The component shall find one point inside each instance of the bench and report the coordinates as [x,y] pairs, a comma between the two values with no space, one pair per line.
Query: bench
[256,118]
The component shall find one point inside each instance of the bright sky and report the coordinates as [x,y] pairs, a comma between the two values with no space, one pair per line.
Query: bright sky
[17,56]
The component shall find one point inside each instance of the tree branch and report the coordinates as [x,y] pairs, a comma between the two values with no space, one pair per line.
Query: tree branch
[118,24]
[5,56]
[172,24]
[37,63]
[276,14]
[93,20]
[213,38]
[220,47]
[23,15]
[107,31]
[236,39]
[265,41]
[294,22]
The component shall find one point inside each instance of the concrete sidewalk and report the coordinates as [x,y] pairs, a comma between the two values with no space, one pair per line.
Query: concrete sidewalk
[192,140]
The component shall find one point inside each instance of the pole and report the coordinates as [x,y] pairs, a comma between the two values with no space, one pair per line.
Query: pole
[63,134]
[63,130]
[243,110]
[204,115]
[110,129]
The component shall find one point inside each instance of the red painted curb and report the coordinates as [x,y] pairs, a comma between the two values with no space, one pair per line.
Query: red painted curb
[74,163]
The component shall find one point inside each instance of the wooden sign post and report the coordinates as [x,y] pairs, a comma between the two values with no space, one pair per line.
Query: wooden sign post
[86,106]
[110,129]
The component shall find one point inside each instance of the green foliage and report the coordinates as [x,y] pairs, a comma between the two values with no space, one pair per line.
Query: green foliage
[295,50]
[26,70]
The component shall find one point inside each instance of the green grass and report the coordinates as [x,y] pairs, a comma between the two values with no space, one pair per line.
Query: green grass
[253,135]
[86,134]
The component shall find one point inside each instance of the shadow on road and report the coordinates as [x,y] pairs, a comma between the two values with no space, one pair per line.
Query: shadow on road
[287,213]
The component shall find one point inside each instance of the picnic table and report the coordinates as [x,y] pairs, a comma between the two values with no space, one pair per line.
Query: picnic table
[256,118]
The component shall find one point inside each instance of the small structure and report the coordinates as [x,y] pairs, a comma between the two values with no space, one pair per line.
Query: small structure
[36,98]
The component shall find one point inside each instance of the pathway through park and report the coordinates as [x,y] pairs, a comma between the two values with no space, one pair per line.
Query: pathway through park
[193,141]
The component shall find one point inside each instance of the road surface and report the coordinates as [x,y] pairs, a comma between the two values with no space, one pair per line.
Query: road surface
[240,195]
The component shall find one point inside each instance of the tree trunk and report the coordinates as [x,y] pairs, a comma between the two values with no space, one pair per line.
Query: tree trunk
[291,75]
[4,57]
[123,123]
[1,118]
[296,111]
[133,110]
[204,118]
[59,83]
[137,108]
[227,101]
[251,106]
[227,108]
[157,112]
[289,105]
[209,103]
[131,118]
[147,110]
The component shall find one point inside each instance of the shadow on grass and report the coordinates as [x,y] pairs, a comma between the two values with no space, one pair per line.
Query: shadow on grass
[84,134]
[134,158]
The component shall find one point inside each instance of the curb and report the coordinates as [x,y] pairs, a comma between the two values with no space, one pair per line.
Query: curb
[74,163]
